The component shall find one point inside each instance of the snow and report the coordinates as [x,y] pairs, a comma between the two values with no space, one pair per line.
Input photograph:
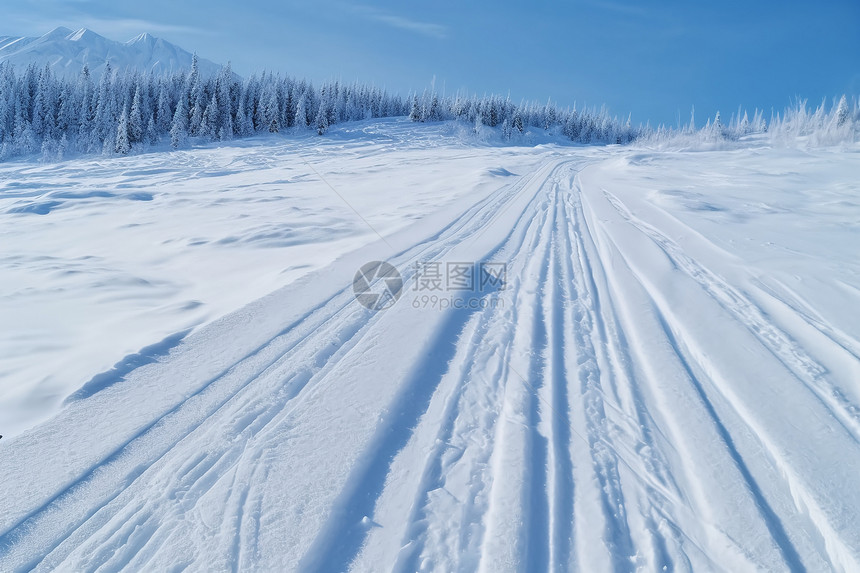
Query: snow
[67,51]
[670,380]
[101,258]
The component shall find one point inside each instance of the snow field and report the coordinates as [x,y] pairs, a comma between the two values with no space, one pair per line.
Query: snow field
[670,384]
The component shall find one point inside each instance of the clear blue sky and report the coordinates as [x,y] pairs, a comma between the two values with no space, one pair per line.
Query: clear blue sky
[655,60]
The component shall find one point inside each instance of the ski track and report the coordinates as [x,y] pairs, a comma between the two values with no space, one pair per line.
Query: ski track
[588,424]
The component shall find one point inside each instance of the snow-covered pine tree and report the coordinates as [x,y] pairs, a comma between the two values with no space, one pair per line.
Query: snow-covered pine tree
[518,120]
[135,118]
[179,125]
[209,123]
[745,126]
[571,126]
[842,112]
[352,110]
[549,115]
[415,109]
[198,107]
[302,120]
[67,108]
[759,122]
[86,112]
[374,103]
[225,103]
[103,120]
[163,115]
[587,130]
[122,144]
[7,92]
[271,109]
[254,110]
[435,113]
[243,125]
[192,80]
[43,118]
[151,135]
[321,120]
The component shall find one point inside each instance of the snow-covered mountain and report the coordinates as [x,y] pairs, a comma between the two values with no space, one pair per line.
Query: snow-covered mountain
[67,51]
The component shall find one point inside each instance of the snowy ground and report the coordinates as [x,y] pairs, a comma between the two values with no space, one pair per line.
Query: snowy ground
[668,379]
[109,261]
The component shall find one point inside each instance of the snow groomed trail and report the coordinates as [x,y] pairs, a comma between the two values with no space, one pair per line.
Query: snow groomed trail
[634,399]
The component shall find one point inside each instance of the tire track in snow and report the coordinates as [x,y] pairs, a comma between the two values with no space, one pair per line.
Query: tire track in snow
[120,470]
[536,528]
[340,541]
[550,506]
[779,342]
[595,383]
[560,296]
[121,477]
[476,368]
[578,464]
[411,552]
[819,509]
[629,429]
[511,509]
[786,499]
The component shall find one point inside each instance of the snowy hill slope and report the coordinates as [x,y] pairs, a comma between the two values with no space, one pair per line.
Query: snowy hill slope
[67,51]
[667,380]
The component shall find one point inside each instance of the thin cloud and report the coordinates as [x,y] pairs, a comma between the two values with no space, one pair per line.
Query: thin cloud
[424,28]
[88,14]
[118,28]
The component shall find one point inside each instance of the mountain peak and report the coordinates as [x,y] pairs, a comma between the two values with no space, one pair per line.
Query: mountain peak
[58,32]
[145,38]
[67,52]
[83,34]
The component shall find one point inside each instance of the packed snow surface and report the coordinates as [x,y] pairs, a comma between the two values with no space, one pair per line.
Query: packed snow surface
[667,380]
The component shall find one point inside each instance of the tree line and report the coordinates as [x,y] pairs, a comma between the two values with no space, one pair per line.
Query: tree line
[126,110]
[582,126]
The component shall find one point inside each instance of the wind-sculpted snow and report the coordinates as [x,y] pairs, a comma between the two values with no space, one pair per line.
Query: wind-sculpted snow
[666,379]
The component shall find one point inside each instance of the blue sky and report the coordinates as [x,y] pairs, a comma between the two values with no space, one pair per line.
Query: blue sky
[655,59]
